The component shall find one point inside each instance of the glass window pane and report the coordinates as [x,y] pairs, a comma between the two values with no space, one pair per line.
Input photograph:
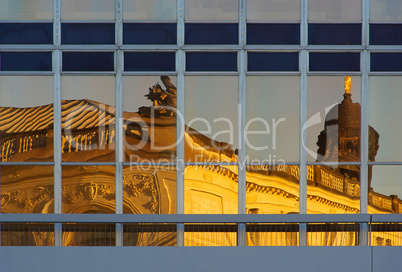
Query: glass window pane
[210,190]
[385,10]
[149,190]
[27,234]
[211,34]
[14,10]
[211,118]
[88,61]
[88,10]
[211,10]
[26,33]
[26,189]
[384,105]
[339,34]
[334,62]
[26,125]
[272,128]
[272,189]
[385,34]
[25,61]
[333,124]
[85,33]
[150,10]
[88,118]
[149,61]
[222,61]
[385,190]
[88,189]
[339,10]
[273,10]
[273,33]
[272,61]
[143,33]
[333,189]
[386,62]
[149,105]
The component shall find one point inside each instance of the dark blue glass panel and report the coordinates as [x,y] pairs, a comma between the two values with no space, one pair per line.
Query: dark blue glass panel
[212,34]
[196,61]
[273,34]
[143,33]
[385,34]
[26,33]
[273,61]
[334,62]
[87,33]
[386,62]
[149,61]
[337,34]
[88,61]
[25,61]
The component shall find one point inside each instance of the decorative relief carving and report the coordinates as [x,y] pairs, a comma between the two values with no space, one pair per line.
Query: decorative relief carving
[88,191]
[135,185]
[27,203]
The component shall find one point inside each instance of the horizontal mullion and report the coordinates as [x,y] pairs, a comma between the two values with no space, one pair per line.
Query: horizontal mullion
[335,48]
[185,218]
[26,73]
[152,73]
[273,73]
[87,73]
[334,73]
[209,73]
[333,163]
[385,163]
[88,163]
[211,47]
[27,163]
[86,47]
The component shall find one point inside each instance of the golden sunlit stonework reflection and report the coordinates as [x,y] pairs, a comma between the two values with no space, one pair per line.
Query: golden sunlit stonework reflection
[89,135]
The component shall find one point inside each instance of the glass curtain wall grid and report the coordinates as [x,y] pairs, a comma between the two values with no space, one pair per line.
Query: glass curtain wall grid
[187,107]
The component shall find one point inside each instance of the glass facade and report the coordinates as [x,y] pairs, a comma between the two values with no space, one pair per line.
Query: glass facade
[199,107]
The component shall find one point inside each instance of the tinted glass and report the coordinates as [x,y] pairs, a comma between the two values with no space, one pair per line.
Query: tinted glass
[339,10]
[272,119]
[382,62]
[385,10]
[91,61]
[212,132]
[149,119]
[333,189]
[139,33]
[340,34]
[273,33]
[385,34]
[273,61]
[334,61]
[26,33]
[88,118]
[88,189]
[26,189]
[84,33]
[88,10]
[267,10]
[334,118]
[210,190]
[25,61]
[197,61]
[211,10]
[211,34]
[26,118]
[384,110]
[144,61]
[150,10]
[26,10]
[149,190]
[385,191]
[261,179]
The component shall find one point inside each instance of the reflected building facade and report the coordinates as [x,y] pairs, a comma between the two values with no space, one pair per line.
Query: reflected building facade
[88,136]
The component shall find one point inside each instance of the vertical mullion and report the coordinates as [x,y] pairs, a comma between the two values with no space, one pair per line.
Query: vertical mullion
[303,120]
[56,61]
[180,64]
[365,60]
[119,122]
[242,63]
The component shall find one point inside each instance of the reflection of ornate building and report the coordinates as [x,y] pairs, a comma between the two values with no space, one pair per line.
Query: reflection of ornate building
[88,135]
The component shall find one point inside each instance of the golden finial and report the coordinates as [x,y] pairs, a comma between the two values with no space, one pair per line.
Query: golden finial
[348,84]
